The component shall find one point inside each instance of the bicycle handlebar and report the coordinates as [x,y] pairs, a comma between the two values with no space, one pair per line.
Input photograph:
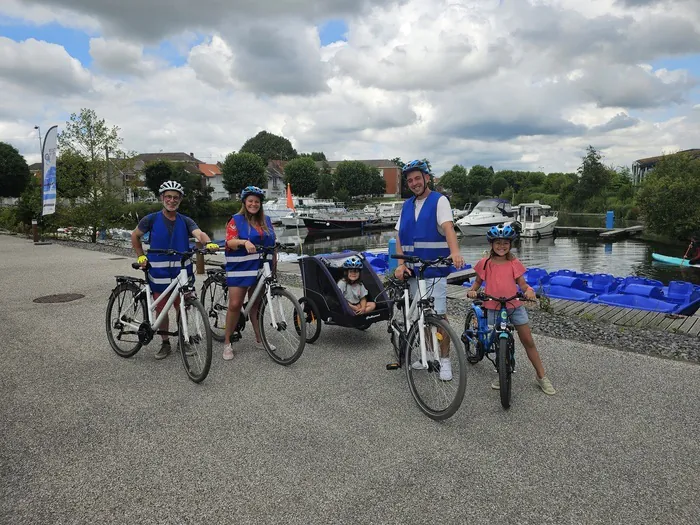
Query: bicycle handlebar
[424,262]
[503,300]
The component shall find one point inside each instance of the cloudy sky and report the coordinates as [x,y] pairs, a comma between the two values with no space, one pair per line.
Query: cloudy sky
[516,84]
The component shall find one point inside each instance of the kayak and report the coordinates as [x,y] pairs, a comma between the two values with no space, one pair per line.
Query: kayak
[672,260]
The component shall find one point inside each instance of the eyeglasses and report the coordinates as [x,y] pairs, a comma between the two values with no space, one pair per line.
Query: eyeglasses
[171,197]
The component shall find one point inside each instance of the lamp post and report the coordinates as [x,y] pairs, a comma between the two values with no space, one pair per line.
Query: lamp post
[38,129]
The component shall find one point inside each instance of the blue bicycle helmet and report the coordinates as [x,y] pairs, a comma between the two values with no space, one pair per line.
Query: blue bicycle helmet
[501,232]
[415,165]
[252,190]
[353,263]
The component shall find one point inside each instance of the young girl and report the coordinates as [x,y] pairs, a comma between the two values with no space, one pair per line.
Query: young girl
[353,290]
[502,272]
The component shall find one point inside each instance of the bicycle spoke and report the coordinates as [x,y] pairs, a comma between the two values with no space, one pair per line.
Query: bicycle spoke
[283,340]
[196,347]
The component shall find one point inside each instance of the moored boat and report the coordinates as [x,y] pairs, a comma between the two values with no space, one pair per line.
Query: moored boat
[673,260]
[486,213]
[330,223]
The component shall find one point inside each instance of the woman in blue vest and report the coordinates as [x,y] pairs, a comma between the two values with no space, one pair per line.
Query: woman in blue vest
[248,228]
[426,229]
[169,230]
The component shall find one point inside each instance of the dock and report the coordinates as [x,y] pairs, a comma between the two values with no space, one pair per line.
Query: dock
[608,233]
[629,317]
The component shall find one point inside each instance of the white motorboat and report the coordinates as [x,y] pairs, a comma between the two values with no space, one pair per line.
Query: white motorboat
[276,209]
[389,211]
[535,219]
[458,214]
[485,214]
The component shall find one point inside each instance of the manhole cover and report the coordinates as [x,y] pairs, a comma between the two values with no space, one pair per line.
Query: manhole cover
[59,298]
[117,258]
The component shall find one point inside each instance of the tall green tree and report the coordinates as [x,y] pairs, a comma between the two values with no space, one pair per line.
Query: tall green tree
[668,197]
[14,172]
[479,181]
[325,186]
[594,177]
[73,175]
[377,183]
[197,200]
[455,179]
[355,177]
[302,175]
[243,169]
[269,146]
[87,135]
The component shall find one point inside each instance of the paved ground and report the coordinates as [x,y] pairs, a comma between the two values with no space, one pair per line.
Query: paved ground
[88,437]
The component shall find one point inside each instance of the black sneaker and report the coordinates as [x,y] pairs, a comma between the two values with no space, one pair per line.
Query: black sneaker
[164,351]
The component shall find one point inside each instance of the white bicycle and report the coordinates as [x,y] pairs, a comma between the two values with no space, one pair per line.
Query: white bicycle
[417,334]
[281,318]
[132,323]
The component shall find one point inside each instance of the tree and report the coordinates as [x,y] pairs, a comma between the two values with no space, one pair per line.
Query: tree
[498,186]
[593,177]
[269,147]
[325,186]
[29,205]
[73,175]
[243,169]
[318,156]
[14,172]
[668,196]
[196,202]
[355,177]
[377,183]
[479,181]
[156,173]
[455,179]
[88,136]
[302,175]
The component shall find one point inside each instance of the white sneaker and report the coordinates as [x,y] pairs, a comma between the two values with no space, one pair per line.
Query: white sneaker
[228,352]
[445,369]
[417,365]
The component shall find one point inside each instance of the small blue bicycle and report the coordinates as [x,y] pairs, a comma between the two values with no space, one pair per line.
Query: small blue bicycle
[480,341]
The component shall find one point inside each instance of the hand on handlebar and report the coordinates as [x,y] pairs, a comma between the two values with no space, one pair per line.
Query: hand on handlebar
[530,294]
[402,272]
[457,260]
[472,294]
[249,247]
[212,247]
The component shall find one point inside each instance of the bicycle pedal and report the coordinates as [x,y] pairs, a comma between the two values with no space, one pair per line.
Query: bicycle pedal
[393,366]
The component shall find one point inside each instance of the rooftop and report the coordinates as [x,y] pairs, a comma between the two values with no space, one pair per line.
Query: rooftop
[649,161]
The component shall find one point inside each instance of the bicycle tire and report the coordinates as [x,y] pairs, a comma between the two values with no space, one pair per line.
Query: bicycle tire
[210,302]
[474,352]
[132,290]
[284,326]
[504,376]
[457,356]
[203,355]
[313,320]
[397,321]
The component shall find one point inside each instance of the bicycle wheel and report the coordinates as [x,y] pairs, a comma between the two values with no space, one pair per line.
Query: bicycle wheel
[124,306]
[474,351]
[503,361]
[215,302]
[313,320]
[397,334]
[196,350]
[282,342]
[437,392]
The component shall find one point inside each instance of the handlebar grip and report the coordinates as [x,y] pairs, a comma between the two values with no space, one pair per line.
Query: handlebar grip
[136,266]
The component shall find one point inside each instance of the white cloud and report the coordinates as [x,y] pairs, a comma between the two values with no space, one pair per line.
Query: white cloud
[510,84]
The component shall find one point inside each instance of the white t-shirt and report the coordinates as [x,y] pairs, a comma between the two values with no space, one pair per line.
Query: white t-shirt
[353,292]
[444,213]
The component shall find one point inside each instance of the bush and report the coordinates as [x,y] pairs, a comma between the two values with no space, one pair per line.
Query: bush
[8,218]
[225,208]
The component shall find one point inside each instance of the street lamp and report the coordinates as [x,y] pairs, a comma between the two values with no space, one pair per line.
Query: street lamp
[41,149]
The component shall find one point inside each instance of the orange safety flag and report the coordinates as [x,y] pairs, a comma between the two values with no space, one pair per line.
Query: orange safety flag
[290,201]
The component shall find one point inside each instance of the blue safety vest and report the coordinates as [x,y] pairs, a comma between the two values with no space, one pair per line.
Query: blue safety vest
[165,268]
[242,267]
[422,237]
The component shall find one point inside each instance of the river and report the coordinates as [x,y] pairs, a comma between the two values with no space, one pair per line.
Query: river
[584,254]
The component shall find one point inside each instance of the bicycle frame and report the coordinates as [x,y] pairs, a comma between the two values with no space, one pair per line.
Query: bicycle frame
[180,283]
[415,312]
[502,329]
[264,278]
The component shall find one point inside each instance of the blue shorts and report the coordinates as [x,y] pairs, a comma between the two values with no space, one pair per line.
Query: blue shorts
[517,316]
[436,288]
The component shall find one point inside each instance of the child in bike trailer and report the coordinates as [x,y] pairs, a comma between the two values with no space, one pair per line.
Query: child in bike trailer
[502,271]
[353,290]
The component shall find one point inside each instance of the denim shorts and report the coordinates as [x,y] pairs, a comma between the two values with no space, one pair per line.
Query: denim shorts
[517,316]
[436,288]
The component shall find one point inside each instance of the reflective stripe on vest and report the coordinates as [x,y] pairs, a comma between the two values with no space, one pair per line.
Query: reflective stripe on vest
[165,268]
[242,267]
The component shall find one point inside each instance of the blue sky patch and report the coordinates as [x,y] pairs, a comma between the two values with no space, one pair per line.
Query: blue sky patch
[332,31]
[75,41]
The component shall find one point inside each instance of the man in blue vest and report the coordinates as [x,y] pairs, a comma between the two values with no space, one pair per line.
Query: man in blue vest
[169,230]
[426,229]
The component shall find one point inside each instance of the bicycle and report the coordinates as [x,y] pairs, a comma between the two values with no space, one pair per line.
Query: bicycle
[480,340]
[136,317]
[409,323]
[286,323]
